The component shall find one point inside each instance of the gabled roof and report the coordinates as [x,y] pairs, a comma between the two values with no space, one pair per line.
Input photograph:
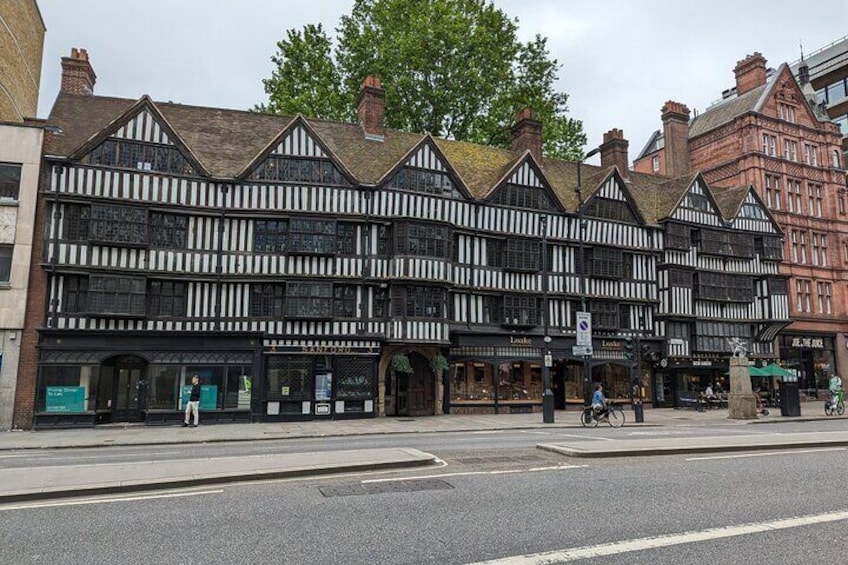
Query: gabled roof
[480,167]
[651,145]
[725,111]
[729,199]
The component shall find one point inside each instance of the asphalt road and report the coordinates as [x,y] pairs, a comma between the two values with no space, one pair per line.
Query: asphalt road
[495,498]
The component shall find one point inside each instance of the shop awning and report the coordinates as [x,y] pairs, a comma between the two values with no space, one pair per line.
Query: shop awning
[772,370]
[768,332]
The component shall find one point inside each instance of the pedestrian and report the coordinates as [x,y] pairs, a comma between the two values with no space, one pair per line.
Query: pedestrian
[193,404]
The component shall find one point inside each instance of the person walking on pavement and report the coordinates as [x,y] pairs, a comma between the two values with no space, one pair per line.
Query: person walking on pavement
[193,404]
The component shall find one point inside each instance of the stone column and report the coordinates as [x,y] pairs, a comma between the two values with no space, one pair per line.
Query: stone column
[440,393]
[742,403]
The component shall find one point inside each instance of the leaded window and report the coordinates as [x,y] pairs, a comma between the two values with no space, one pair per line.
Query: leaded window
[137,155]
[384,240]
[680,277]
[725,287]
[423,240]
[419,302]
[713,336]
[313,237]
[769,247]
[517,196]
[604,262]
[269,236]
[75,222]
[677,236]
[169,231]
[381,303]
[522,255]
[493,310]
[344,301]
[346,239]
[422,180]
[777,286]
[298,170]
[267,300]
[289,378]
[10,181]
[521,310]
[118,225]
[605,314]
[610,209]
[695,201]
[355,379]
[74,291]
[116,295]
[754,211]
[166,299]
[309,300]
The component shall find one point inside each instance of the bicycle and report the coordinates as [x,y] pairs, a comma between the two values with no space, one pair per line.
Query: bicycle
[835,403]
[614,417]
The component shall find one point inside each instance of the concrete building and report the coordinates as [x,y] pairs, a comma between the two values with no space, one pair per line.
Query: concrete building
[21,47]
[767,132]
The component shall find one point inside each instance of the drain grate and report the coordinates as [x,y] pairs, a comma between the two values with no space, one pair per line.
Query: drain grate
[358,489]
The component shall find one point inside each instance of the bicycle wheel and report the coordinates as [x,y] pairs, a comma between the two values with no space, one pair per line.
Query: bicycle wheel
[586,419]
[616,417]
[828,409]
[840,408]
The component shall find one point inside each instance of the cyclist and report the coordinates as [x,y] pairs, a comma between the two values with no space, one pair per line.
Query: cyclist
[835,387]
[599,403]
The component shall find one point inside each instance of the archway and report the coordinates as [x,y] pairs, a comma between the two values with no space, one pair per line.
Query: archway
[416,390]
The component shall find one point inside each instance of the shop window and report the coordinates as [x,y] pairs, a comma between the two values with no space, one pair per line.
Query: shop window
[67,389]
[472,382]
[10,181]
[163,382]
[239,387]
[6,263]
[355,380]
[289,378]
[169,231]
[519,382]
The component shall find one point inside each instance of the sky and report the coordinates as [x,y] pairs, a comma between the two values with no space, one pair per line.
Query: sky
[620,59]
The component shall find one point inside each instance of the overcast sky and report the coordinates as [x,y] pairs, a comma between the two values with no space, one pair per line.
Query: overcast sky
[621,59]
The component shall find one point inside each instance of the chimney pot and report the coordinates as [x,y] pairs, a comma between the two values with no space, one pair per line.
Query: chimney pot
[527,133]
[371,107]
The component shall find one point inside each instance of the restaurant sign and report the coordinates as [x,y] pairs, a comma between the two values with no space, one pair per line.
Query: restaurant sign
[808,342]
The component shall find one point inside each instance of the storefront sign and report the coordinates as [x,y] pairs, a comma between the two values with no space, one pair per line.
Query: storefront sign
[697,363]
[521,341]
[65,399]
[610,344]
[808,342]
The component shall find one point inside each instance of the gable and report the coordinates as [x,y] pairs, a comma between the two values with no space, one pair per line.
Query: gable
[425,170]
[141,140]
[524,187]
[296,156]
[611,202]
[753,216]
[697,206]
[785,100]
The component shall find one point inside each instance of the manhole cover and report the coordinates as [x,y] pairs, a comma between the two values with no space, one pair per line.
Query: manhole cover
[358,489]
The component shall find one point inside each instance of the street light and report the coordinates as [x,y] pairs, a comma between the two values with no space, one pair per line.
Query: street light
[547,395]
[581,273]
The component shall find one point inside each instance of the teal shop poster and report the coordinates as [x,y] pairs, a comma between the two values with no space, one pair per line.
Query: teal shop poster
[208,397]
[65,399]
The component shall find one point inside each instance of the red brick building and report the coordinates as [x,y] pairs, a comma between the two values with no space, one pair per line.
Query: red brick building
[768,133]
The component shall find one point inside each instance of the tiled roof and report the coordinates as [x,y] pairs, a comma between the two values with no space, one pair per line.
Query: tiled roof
[729,199]
[724,112]
[227,142]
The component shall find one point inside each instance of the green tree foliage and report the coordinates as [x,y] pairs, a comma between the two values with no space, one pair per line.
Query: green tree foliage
[454,68]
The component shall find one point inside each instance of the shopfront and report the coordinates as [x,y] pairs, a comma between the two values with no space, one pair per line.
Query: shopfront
[676,378]
[812,357]
[87,379]
[306,380]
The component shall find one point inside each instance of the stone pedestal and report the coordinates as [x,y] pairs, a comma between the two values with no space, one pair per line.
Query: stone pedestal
[742,402]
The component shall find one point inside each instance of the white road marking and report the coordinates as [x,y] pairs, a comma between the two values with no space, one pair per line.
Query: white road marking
[590,438]
[88,501]
[537,433]
[472,473]
[626,546]
[769,454]
[15,455]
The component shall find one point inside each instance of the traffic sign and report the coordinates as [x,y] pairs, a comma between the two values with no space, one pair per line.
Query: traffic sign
[581,350]
[584,329]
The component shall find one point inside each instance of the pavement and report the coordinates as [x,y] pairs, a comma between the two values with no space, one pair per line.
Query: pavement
[34,483]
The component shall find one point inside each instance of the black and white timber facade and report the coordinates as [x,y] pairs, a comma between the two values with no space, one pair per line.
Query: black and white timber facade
[309,269]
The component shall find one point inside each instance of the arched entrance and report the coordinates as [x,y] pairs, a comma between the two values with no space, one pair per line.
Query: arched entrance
[123,388]
[416,391]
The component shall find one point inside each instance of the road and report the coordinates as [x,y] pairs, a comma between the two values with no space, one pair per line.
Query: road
[495,497]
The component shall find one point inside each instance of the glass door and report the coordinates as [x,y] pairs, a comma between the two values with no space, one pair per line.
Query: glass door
[129,393]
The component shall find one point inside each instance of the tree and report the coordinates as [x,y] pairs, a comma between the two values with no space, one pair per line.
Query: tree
[454,68]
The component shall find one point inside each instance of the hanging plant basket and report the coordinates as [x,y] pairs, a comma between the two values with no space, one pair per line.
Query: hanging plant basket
[400,364]
[439,364]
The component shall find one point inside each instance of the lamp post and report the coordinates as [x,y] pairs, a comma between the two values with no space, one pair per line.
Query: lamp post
[547,395]
[581,273]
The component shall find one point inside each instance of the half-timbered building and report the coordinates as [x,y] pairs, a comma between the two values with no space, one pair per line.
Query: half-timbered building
[305,268]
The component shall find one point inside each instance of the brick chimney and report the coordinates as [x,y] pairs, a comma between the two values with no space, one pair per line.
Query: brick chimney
[371,108]
[750,73]
[614,151]
[77,75]
[675,118]
[527,133]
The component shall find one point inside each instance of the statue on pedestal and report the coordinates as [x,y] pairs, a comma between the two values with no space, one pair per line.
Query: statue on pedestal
[741,400]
